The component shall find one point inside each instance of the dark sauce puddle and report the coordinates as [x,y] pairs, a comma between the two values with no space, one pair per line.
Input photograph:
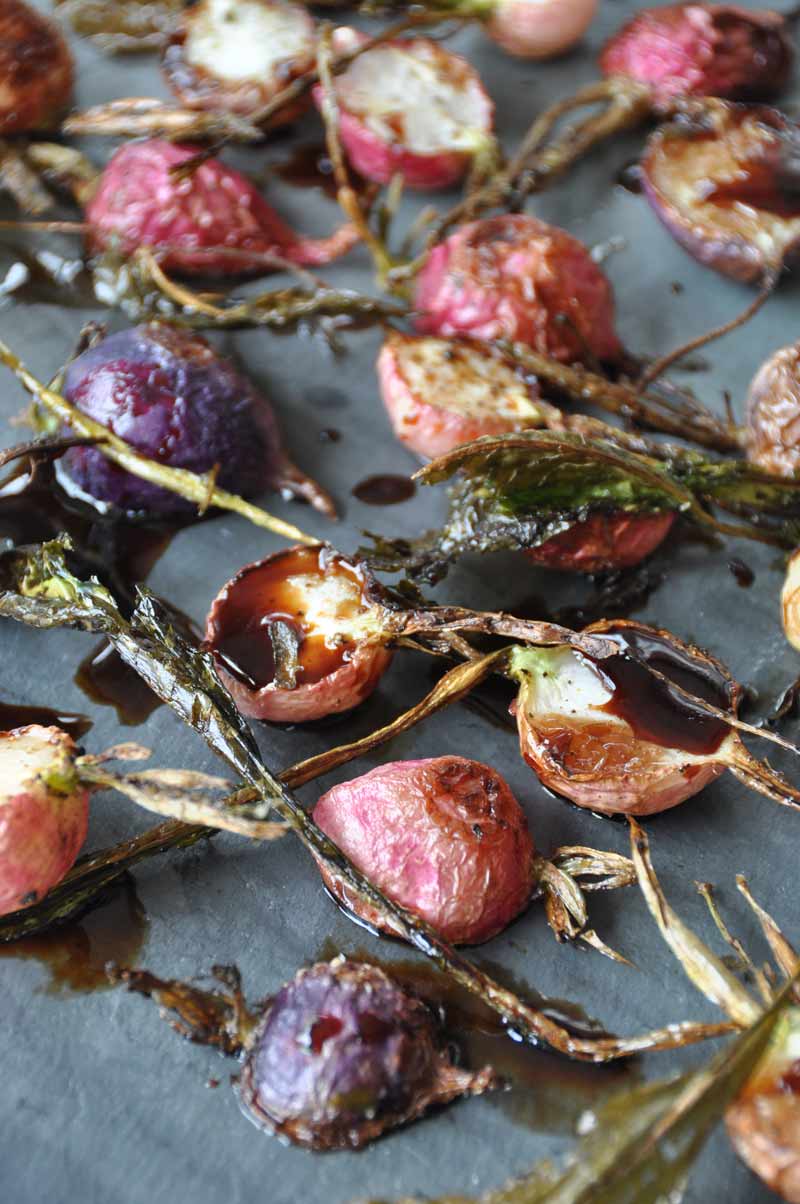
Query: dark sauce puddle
[385,490]
[75,955]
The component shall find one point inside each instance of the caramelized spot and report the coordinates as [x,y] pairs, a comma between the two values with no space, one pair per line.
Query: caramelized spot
[322,1030]
[282,589]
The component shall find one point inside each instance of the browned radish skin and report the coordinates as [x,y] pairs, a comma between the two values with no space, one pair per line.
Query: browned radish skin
[539,29]
[773,414]
[36,70]
[237,55]
[790,601]
[702,50]
[617,540]
[343,1054]
[517,278]
[723,185]
[44,812]
[440,393]
[413,108]
[763,1123]
[444,837]
[625,747]
[321,603]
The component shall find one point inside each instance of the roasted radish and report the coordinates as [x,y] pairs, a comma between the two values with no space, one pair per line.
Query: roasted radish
[413,108]
[444,837]
[702,50]
[773,414]
[790,601]
[36,70]
[237,55]
[294,638]
[44,813]
[725,184]
[210,222]
[338,1056]
[168,394]
[515,277]
[440,393]
[613,738]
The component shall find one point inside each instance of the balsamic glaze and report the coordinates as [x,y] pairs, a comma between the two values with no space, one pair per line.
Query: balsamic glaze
[385,490]
[655,711]
[15,715]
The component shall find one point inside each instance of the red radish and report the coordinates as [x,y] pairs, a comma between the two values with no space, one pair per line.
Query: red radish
[440,393]
[444,837]
[44,813]
[616,540]
[763,1122]
[516,277]
[725,186]
[539,29]
[411,107]
[790,601]
[212,222]
[237,55]
[773,414]
[292,639]
[36,70]
[702,50]
[612,737]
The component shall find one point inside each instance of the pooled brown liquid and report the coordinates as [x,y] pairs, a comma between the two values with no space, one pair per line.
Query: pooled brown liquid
[75,955]
[13,715]
[106,679]
[385,490]
[656,712]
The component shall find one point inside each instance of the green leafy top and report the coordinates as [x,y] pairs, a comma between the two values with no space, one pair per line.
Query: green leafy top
[518,491]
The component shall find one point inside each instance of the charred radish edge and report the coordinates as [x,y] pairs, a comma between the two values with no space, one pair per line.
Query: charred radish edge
[45,594]
[199,489]
[642,1142]
[612,478]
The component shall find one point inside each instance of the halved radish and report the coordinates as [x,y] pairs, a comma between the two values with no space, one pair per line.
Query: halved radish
[603,542]
[236,55]
[411,107]
[292,638]
[44,813]
[773,413]
[440,393]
